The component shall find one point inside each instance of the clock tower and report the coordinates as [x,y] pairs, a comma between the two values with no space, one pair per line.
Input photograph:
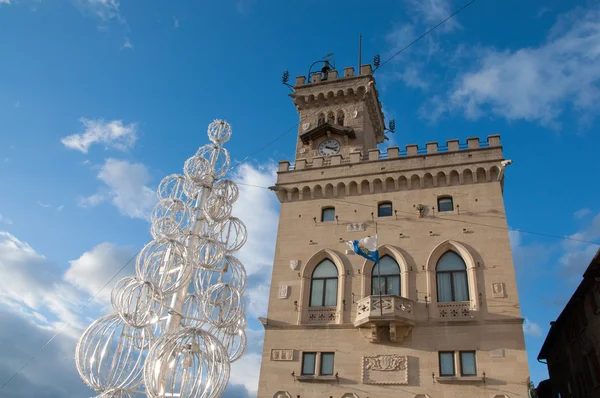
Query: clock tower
[339,115]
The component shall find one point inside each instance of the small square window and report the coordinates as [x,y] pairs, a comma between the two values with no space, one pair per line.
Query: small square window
[308,363]
[467,363]
[326,364]
[447,364]
[384,210]
[328,214]
[445,204]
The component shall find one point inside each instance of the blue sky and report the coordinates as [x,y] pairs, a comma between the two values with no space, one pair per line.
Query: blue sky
[99,100]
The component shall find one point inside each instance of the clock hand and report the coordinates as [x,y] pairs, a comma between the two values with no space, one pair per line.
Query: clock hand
[329,147]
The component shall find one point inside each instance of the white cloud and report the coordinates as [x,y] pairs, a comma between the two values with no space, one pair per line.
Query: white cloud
[95,268]
[5,220]
[4,1]
[258,299]
[127,44]
[127,188]
[536,84]
[532,328]
[105,10]
[246,370]
[582,213]
[112,134]
[577,255]
[258,209]
[432,12]
[175,23]
[45,205]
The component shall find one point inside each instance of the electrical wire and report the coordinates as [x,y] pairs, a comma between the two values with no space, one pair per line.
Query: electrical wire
[65,325]
[441,218]
[426,33]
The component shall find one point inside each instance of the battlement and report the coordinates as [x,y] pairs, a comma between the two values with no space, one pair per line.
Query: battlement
[431,148]
[365,70]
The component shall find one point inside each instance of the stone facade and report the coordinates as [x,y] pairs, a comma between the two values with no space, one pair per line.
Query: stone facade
[572,346]
[389,345]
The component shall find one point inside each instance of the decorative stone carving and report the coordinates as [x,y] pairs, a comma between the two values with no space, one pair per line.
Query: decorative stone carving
[455,310]
[385,369]
[282,394]
[498,290]
[284,291]
[282,355]
[322,315]
[499,353]
[356,227]
[294,264]
[305,126]
[349,395]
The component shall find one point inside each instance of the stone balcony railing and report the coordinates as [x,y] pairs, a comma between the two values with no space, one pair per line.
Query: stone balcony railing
[372,310]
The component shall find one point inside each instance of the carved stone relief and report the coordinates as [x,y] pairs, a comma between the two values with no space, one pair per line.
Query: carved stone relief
[498,290]
[282,394]
[385,369]
[284,291]
[356,227]
[282,355]
[294,264]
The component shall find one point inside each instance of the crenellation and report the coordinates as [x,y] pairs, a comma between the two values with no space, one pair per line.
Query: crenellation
[393,152]
[432,147]
[452,145]
[493,140]
[473,142]
[411,149]
[374,154]
[366,69]
[316,77]
[300,80]
[349,72]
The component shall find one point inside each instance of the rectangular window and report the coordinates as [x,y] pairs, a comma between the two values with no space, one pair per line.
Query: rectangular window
[326,364]
[467,363]
[384,210]
[328,214]
[316,295]
[445,204]
[447,364]
[331,292]
[308,363]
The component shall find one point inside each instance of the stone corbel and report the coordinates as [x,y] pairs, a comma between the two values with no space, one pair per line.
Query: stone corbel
[398,333]
[373,337]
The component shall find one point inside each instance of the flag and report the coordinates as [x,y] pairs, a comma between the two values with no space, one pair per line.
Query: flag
[366,247]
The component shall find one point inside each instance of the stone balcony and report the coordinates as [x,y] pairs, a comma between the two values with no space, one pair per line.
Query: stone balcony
[393,312]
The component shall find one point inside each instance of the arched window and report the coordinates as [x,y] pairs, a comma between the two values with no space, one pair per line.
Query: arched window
[340,118]
[384,209]
[331,118]
[320,119]
[324,285]
[328,214]
[445,203]
[385,277]
[451,276]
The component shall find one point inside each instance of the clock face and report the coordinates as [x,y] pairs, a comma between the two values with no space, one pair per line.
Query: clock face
[329,147]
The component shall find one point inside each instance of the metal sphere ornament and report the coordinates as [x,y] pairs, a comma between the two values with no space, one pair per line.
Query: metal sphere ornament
[189,362]
[223,305]
[226,188]
[180,321]
[159,263]
[138,302]
[219,132]
[107,356]
[230,271]
[232,233]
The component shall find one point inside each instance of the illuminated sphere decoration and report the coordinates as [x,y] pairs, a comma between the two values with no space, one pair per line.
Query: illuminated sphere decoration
[179,322]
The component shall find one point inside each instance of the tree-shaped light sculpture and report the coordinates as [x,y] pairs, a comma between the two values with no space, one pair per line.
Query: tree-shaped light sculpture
[179,322]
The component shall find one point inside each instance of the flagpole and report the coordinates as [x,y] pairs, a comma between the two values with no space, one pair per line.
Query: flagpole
[378,272]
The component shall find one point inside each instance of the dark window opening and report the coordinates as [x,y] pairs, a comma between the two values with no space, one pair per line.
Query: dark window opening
[384,209]
[445,204]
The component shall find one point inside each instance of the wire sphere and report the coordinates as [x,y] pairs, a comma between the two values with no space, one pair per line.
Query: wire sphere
[198,170]
[172,187]
[232,233]
[223,305]
[119,393]
[230,271]
[170,218]
[188,362]
[217,208]
[159,263]
[217,157]
[107,356]
[226,188]
[234,340]
[192,311]
[219,132]
[207,253]
[138,302]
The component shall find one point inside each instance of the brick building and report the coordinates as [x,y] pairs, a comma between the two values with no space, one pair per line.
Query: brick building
[440,317]
[572,346]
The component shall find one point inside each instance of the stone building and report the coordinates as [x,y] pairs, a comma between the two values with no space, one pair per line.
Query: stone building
[572,346]
[440,317]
